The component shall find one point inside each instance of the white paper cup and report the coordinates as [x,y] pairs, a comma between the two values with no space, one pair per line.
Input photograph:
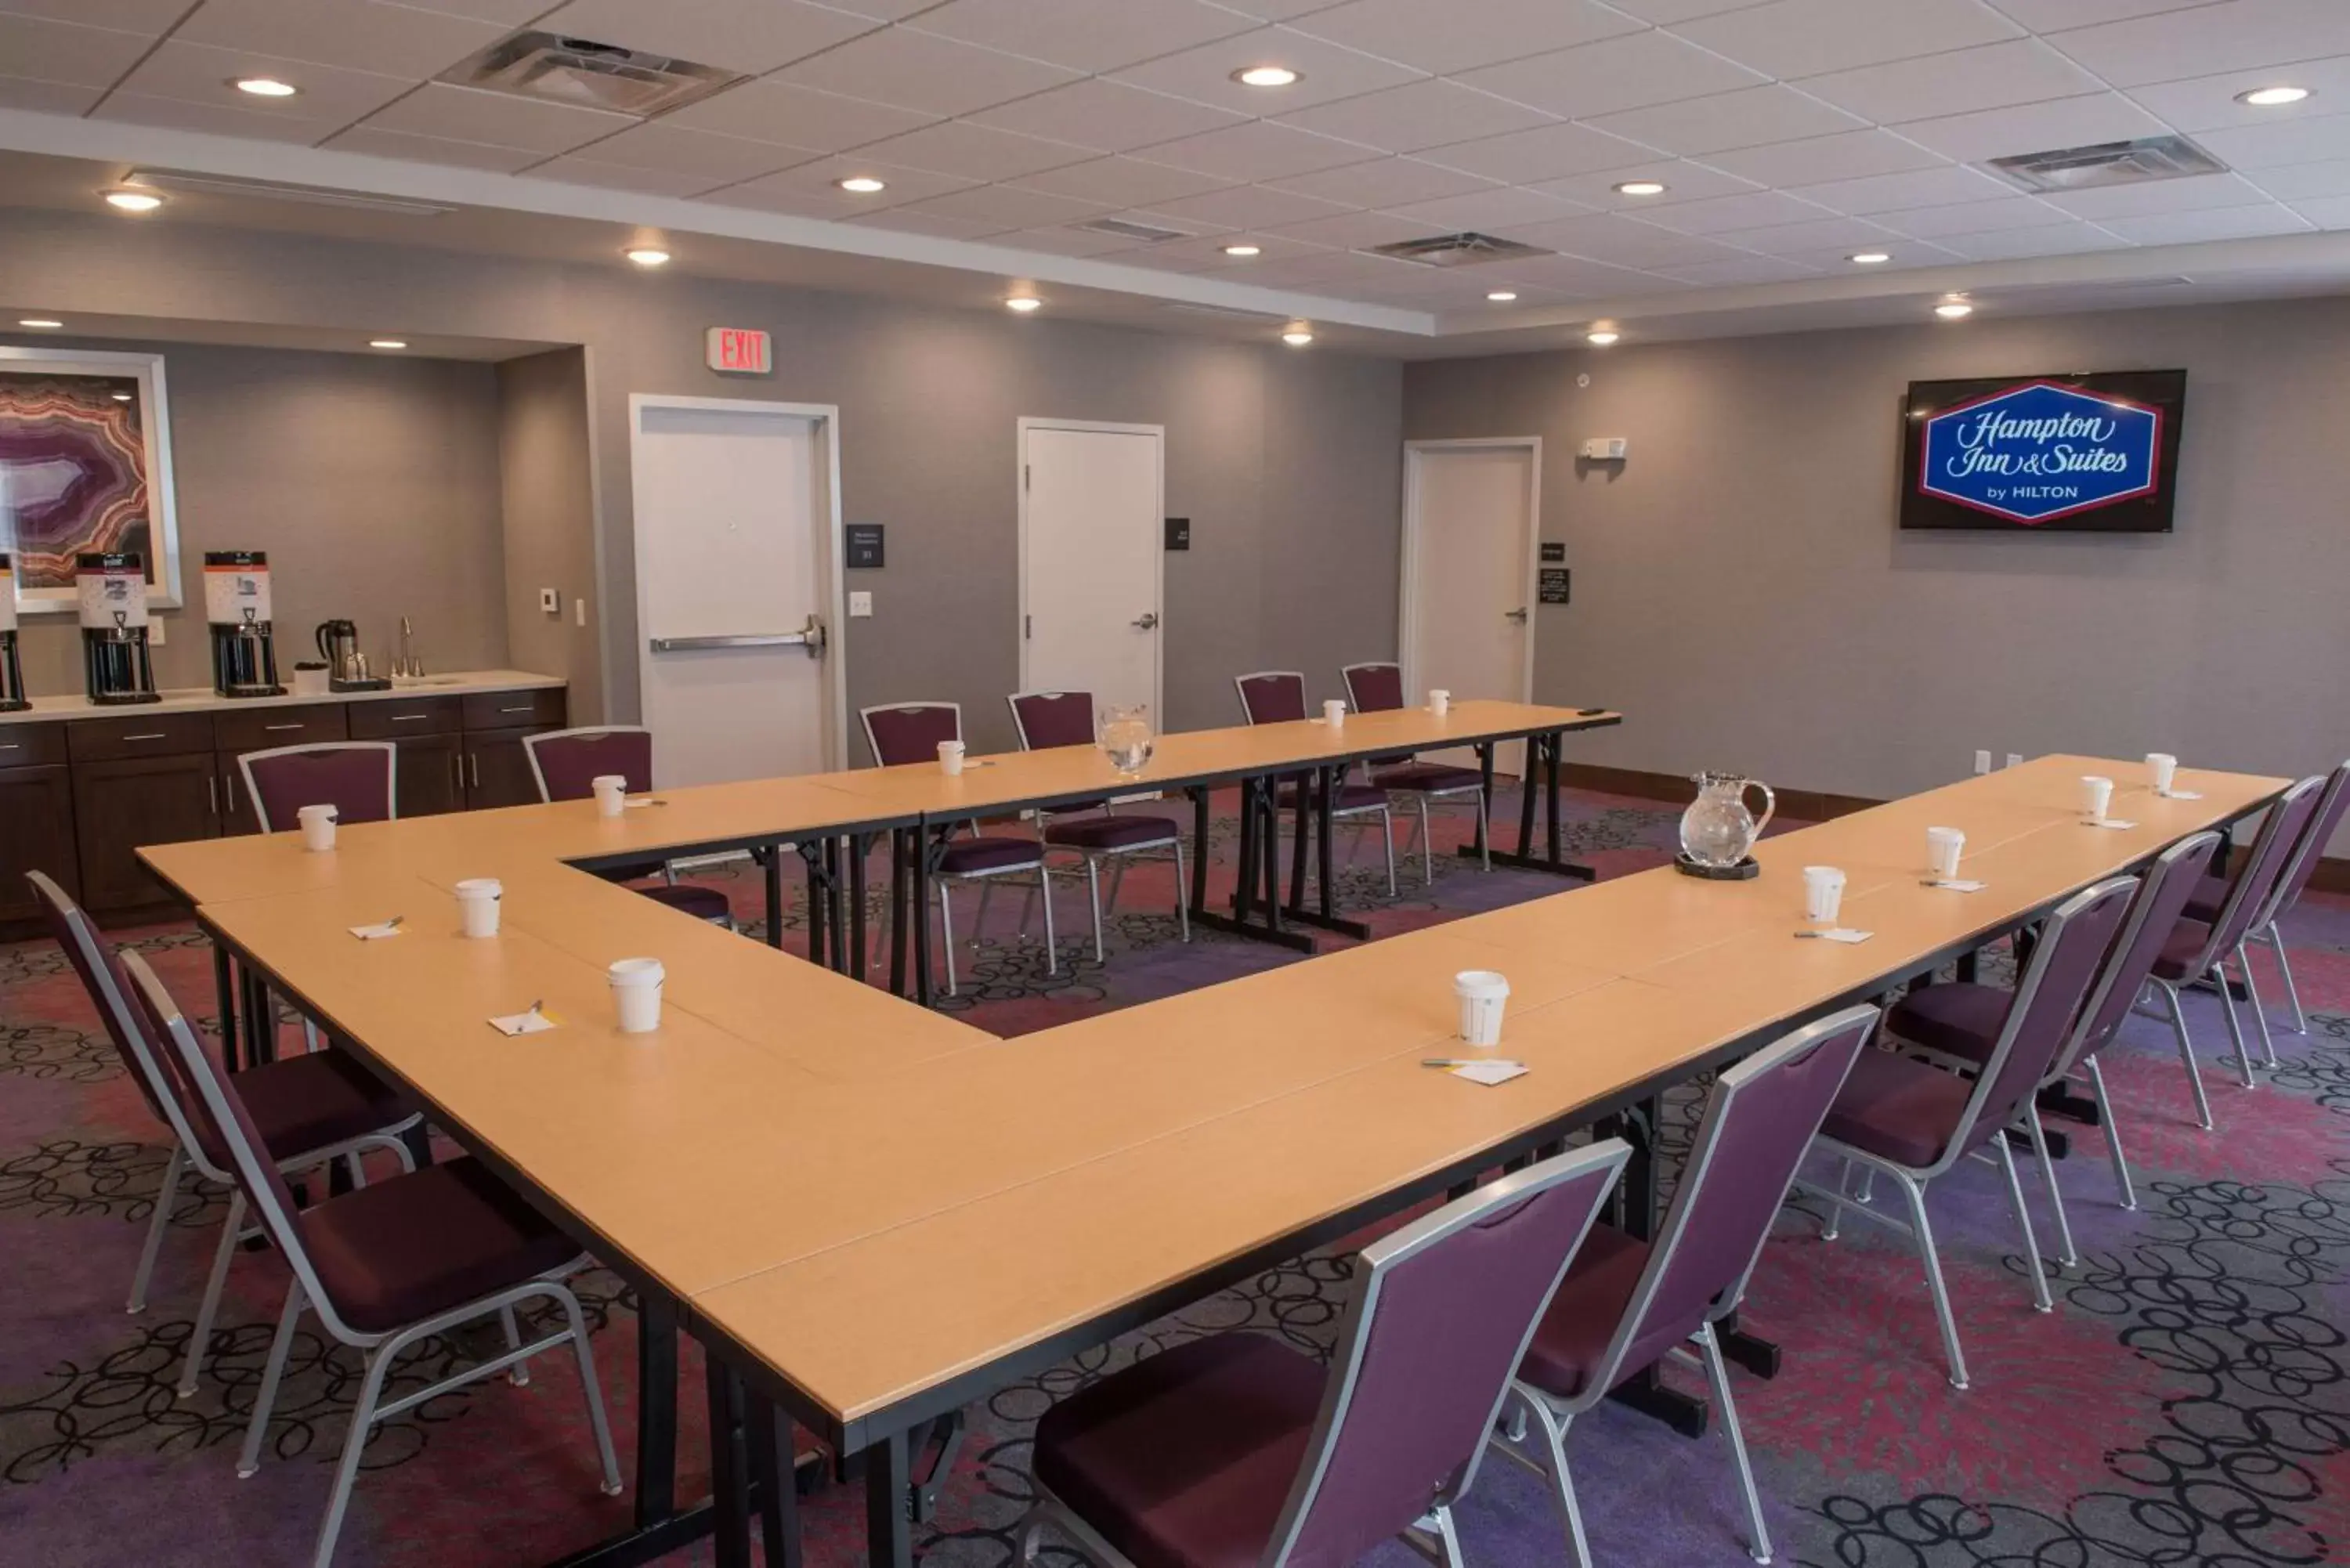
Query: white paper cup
[2096,796]
[477,906]
[950,757]
[637,993]
[1822,894]
[317,827]
[1483,995]
[2164,767]
[1943,847]
[611,791]
[1334,713]
[1440,702]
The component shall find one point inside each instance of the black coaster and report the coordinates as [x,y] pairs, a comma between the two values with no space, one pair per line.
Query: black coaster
[1745,871]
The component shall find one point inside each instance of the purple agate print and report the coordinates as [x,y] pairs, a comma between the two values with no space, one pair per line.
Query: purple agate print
[72,472]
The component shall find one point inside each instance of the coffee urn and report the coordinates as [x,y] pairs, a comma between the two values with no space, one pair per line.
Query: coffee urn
[236,606]
[12,669]
[115,667]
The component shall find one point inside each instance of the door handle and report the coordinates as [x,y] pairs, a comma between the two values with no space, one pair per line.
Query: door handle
[813,637]
[228,784]
[1149,620]
[1518,615]
[457,769]
[473,762]
[212,794]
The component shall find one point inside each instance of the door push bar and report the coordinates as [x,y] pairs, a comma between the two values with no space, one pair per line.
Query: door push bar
[810,636]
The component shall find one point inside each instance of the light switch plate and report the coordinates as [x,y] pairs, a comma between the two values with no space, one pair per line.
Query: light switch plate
[2015,759]
[1982,761]
[550,602]
[155,629]
[860,604]
[579,612]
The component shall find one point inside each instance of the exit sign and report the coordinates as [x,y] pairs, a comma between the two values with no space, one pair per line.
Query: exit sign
[740,351]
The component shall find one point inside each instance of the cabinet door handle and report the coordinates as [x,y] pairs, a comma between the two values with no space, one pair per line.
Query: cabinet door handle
[409,718]
[212,794]
[273,729]
[457,769]
[157,735]
[12,746]
[473,760]
[524,708]
[228,783]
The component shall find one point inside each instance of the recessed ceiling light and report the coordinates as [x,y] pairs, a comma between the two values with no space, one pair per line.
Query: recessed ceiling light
[1601,339]
[1244,250]
[1954,309]
[1266,77]
[1297,337]
[264,86]
[1869,258]
[40,323]
[1502,296]
[648,255]
[862,184]
[387,342]
[133,201]
[1641,188]
[2272,97]
[1024,303]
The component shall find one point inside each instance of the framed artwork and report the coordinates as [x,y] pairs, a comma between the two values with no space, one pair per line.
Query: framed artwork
[84,465]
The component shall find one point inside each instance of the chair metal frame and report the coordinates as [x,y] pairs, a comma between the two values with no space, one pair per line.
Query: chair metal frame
[1556,1416]
[379,1350]
[983,880]
[1358,817]
[2289,888]
[530,744]
[1474,792]
[246,760]
[1433,1535]
[1118,856]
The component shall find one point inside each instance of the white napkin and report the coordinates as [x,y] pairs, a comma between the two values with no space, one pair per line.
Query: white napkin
[1497,1071]
[2105,821]
[1956,885]
[1838,934]
[522,1022]
[639,802]
[376,932]
[2179,794]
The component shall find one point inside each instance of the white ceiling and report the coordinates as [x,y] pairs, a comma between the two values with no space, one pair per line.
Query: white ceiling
[1791,133]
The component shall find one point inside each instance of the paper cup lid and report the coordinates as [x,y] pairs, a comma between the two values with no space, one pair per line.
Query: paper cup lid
[1481,982]
[636,970]
[479,888]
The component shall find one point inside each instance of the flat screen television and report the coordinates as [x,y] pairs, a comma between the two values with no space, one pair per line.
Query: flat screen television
[2093,453]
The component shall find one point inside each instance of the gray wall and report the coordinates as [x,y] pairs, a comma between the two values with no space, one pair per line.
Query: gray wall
[1741,592]
[372,481]
[1286,462]
[546,478]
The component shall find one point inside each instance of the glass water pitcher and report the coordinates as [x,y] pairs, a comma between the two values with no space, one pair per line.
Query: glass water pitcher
[1718,830]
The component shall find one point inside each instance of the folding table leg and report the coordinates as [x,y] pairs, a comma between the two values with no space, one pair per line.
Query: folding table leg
[860,844]
[889,1509]
[656,1407]
[224,999]
[817,933]
[779,1492]
[730,1466]
[898,880]
[774,866]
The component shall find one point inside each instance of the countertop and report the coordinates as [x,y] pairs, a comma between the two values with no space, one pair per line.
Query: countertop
[202,698]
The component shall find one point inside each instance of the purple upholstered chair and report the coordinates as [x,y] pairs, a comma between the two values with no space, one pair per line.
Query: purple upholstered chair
[2200,948]
[385,1266]
[307,1111]
[905,734]
[1238,1449]
[357,778]
[1378,689]
[1278,697]
[2213,893]
[1048,719]
[1913,1122]
[1627,1304]
[566,765]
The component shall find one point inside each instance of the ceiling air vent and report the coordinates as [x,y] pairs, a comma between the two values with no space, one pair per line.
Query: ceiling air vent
[2108,163]
[1125,229]
[1457,250]
[586,74]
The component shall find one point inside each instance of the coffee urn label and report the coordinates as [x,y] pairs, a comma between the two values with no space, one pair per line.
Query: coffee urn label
[112,590]
[236,586]
[7,594]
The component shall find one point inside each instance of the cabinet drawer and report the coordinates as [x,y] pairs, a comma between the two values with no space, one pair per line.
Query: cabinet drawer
[143,735]
[515,710]
[31,745]
[396,719]
[262,729]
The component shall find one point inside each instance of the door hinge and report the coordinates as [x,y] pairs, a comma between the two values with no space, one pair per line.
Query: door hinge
[1026,475]
[1028,625]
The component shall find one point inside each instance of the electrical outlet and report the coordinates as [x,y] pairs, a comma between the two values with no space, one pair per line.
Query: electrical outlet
[2015,759]
[579,612]
[550,602]
[860,604]
[1982,761]
[155,628]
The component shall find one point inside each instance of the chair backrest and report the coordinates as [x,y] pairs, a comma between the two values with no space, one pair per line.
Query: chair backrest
[357,778]
[910,732]
[2322,823]
[101,976]
[2162,896]
[1440,1317]
[566,764]
[2049,995]
[2257,871]
[1374,688]
[1759,1119]
[1272,696]
[1053,718]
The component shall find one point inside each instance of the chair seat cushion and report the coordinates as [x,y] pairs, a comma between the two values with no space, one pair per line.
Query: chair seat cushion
[978,857]
[1960,1019]
[701,903]
[1184,1461]
[1898,1109]
[2203,904]
[2188,940]
[1428,778]
[1111,832]
[310,1101]
[1349,798]
[403,1250]
[1572,1338]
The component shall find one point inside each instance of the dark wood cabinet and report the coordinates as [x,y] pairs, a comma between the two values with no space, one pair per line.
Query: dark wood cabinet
[36,833]
[497,769]
[237,813]
[430,775]
[124,802]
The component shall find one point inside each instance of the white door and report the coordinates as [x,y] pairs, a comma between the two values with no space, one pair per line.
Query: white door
[1470,528]
[1091,544]
[737,579]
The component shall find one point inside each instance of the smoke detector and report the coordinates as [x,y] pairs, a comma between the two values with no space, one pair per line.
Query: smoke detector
[2108,163]
[585,73]
[1457,250]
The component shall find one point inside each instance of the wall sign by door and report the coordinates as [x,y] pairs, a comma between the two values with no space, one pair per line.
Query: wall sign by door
[1553,550]
[863,546]
[1179,533]
[1553,585]
[739,351]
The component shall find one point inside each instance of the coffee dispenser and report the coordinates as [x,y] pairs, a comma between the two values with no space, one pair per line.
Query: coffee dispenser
[114,659]
[236,605]
[12,671]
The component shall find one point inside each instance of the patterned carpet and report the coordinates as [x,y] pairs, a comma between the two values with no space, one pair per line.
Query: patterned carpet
[2187,1403]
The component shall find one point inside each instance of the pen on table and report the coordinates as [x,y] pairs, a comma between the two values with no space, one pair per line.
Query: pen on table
[533,1011]
[394,924]
[1446,1061]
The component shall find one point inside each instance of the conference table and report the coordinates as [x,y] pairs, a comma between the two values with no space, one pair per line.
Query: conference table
[870,1214]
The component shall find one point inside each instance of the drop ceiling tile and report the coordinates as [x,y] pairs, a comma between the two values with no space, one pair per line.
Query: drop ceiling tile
[879,10]
[2236,35]
[1326,72]
[2219,224]
[975,152]
[1816,159]
[2325,211]
[214,119]
[1942,187]
[1107,115]
[1275,10]
[1666,12]
[1818,235]
[1247,207]
[789,204]
[1354,230]
[47,97]
[2034,127]
[729,34]
[2015,245]
[501,120]
[1751,117]
[1211,248]
[1383,182]
[1461,34]
[769,110]
[374,143]
[1683,182]
[2195,193]
[2301,181]
[1121,181]
[1994,75]
[715,159]
[1084,35]
[1316,269]
[1722,215]
[914,223]
[505,13]
[1164,257]
[1976,217]
[1906,255]
[1258,150]
[331,97]
[812,186]
[1547,152]
[1009,207]
[1571,275]
[2052,16]
[2208,103]
[577,171]
[148,18]
[2282,142]
[391,40]
[1741,271]
[1067,242]
[1621,242]
[1630,72]
[1502,208]
[923,71]
[1795,38]
[42,50]
[1416,116]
